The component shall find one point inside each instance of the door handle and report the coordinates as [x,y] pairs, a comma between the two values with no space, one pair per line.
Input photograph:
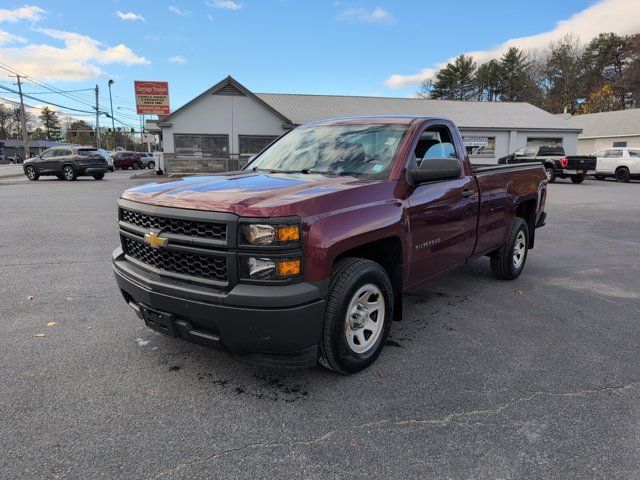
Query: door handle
[467,193]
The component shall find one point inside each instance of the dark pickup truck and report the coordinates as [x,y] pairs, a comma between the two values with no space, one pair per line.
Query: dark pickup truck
[556,163]
[304,255]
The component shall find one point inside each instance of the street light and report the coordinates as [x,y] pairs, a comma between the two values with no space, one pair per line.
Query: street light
[113,122]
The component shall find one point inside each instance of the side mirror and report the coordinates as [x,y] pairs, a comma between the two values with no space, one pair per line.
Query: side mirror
[434,169]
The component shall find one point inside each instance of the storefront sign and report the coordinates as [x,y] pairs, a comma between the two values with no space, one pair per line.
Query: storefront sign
[475,141]
[152,98]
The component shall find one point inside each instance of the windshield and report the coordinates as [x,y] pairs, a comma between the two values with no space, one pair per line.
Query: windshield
[357,150]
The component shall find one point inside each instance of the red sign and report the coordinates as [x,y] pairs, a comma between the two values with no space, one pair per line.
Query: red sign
[152,98]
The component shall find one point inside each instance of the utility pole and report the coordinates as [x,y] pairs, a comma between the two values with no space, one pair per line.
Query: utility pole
[113,122]
[23,120]
[97,119]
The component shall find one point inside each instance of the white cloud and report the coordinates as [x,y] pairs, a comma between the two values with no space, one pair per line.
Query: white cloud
[6,37]
[619,16]
[224,4]
[178,59]
[359,14]
[130,16]
[78,59]
[28,12]
[180,11]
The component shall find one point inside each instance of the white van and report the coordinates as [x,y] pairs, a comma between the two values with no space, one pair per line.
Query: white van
[620,162]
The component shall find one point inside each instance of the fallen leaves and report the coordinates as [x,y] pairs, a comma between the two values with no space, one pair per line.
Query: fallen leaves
[29,297]
[51,324]
[519,292]
[39,335]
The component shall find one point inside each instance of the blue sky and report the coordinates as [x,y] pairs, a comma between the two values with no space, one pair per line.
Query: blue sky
[323,47]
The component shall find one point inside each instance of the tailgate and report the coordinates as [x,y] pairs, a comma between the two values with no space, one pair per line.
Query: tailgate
[577,162]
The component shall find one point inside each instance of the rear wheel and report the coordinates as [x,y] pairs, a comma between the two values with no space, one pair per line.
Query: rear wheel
[577,178]
[151,165]
[508,261]
[623,175]
[32,173]
[69,173]
[358,315]
[551,177]
[136,166]
[99,176]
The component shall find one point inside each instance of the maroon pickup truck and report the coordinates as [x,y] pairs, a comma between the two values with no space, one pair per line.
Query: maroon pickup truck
[303,256]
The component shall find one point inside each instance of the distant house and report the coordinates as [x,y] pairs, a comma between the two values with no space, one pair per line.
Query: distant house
[222,127]
[36,147]
[607,129]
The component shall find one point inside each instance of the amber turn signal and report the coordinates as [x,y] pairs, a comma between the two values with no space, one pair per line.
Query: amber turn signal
[290,233]
[288,268]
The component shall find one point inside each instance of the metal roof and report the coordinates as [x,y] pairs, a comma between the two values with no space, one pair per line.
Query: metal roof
[471,115]
[607,124]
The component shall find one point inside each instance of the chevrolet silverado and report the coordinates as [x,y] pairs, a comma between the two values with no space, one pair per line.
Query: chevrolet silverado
[303,256]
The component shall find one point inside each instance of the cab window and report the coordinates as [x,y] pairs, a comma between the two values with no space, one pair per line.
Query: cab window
[47,154]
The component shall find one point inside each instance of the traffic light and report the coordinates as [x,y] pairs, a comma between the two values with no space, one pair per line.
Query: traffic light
[133,130]
[109,132]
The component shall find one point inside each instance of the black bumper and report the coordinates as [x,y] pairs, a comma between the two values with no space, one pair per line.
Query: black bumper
[277,326]
[92,170]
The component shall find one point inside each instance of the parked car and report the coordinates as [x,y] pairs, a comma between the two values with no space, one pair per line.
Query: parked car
[66,163]
[619,162]
[126,160]
[108,158]
[305,254]
[556,163]
[148,160]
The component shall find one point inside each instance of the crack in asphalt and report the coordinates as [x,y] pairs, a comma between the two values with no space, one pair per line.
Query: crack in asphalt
[441,422]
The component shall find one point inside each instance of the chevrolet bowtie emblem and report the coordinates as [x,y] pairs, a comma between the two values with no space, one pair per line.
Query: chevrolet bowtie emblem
[154,240]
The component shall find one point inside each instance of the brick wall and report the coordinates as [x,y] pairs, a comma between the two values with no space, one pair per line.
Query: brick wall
[179,164]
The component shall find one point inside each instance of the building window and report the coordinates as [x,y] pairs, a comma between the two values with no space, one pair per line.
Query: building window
[619,144]
[480,146]
[544,141]
[253,144]
[210,146]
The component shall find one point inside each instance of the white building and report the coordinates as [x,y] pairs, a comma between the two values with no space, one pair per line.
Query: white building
[607,129]
[223,126]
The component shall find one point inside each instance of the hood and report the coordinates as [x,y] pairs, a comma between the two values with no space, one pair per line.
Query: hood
[245,194]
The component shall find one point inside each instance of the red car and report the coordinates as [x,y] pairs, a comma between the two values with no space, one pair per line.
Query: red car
[304,255]
[127,160]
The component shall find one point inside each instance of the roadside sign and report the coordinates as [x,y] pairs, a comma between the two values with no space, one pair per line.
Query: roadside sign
[475,141]
[152,98]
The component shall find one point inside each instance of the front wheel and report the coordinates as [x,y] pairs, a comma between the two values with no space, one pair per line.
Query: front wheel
[69,173]
[136,166]
[151,165]
[32,174]
[577,178]
[358,315]
[508,261]
[551,176]
[623,175]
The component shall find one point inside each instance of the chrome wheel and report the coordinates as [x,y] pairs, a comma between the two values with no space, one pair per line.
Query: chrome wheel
[519,250]
[68,173]
[365,318]
[31,173]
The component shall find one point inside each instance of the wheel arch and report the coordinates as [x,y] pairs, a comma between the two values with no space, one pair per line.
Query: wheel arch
[527,211]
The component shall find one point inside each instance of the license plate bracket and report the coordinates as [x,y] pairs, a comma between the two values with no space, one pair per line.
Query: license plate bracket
[159,321]
[580,171]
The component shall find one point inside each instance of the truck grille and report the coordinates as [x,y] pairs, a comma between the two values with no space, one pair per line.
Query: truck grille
[203,266]
[191,228]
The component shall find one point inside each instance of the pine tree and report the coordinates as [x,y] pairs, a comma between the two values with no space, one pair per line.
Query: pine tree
[456,81]
[51,124]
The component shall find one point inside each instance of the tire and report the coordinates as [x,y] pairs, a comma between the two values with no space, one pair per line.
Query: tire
[345,347]
[577,178]
[99,176]
[551,177]
[623,175]
[136,166]
[504,263]
[32,173]
[69,173]
[151,165]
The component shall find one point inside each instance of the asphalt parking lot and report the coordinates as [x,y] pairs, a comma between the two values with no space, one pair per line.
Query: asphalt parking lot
[537,378]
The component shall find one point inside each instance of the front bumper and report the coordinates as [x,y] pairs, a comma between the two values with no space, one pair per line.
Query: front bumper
[277,326]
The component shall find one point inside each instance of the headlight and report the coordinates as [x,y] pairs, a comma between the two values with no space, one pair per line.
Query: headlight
[263,234]
[261,268]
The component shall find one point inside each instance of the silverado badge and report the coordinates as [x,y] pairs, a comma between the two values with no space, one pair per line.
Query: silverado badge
[154,239]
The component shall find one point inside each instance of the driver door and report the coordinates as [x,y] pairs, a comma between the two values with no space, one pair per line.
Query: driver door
[44,161]
[442,214]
